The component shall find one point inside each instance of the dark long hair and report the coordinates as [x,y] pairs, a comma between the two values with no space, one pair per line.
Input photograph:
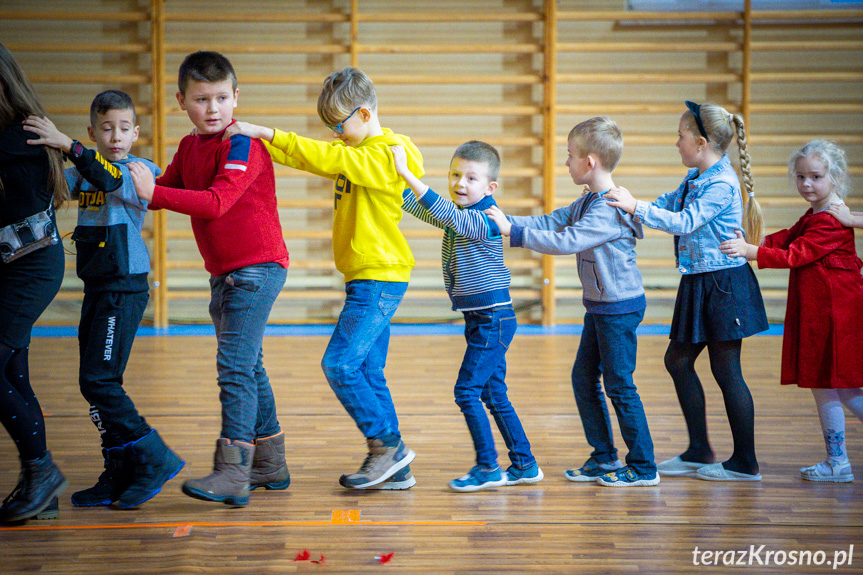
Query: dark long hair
[17,101]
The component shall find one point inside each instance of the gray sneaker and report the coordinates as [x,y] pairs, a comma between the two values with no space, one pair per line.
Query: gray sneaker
[400,480]
[381,463]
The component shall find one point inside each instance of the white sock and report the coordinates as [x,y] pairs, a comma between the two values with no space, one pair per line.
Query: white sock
[853,400]
[832,424]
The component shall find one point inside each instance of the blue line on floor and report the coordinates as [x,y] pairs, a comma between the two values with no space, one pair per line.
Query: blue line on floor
[327,330]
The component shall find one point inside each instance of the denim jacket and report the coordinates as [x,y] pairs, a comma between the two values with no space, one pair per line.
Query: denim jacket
[603,238]
[702,212]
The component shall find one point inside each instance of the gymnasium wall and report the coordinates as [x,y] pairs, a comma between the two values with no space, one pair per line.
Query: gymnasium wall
[516,73]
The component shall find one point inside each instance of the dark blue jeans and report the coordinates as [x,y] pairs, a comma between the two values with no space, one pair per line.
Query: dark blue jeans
[608,349]
[240,305]
[482,377]
[357,354]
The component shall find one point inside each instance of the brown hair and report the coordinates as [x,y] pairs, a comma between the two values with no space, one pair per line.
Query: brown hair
[17,101]
[344,91]
[721,126]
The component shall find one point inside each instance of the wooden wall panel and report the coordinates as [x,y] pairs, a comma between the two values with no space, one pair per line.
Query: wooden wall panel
[446,73]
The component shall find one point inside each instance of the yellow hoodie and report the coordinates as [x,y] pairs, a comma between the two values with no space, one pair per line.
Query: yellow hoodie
[367,242]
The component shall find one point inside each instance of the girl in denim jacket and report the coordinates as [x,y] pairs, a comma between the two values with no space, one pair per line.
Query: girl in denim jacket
[719,301]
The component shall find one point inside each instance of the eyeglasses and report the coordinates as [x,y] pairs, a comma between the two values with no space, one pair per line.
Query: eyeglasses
[696,111]
[338,127]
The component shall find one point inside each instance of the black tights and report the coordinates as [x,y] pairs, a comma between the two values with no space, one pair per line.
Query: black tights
[725,365]
[20,411]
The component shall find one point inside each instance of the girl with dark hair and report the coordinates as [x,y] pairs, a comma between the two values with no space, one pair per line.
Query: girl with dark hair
[32,184]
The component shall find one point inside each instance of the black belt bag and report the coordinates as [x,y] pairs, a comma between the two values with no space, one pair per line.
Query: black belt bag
[28,235]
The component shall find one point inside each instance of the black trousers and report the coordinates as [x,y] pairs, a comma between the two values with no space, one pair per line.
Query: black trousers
[109,322]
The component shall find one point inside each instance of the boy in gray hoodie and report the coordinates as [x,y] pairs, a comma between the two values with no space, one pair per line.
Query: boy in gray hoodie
[604,239]
[113,263]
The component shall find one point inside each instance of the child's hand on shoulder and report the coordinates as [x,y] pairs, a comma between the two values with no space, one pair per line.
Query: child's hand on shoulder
[621,198]
[48,134]
[495,214]
[400,159]
[738,248]
[143,179]
[249,130]
[845,216]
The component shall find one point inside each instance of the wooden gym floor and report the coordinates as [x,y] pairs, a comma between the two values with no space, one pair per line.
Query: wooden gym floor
[552,527]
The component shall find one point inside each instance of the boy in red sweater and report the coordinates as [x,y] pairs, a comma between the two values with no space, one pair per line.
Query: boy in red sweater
[228,188]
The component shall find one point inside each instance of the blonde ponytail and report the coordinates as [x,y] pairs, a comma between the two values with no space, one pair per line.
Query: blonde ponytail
[753,219]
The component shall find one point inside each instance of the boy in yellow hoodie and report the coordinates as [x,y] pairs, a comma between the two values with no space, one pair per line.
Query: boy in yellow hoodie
[371,252]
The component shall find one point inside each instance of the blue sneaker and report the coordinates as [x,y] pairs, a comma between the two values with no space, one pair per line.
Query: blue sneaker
[591,470]
[532,474]
[479,478]
[627,477]
[401,480]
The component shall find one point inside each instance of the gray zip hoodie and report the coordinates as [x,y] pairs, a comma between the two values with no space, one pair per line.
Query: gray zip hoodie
[603,238]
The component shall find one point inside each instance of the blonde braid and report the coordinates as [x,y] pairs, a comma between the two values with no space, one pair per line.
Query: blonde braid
[753,218]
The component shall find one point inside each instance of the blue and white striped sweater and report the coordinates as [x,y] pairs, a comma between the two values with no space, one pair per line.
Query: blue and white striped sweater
[474,273]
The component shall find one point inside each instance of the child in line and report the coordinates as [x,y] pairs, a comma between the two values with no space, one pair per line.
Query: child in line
[719,301]
[604,240]
[371,252]
[31,186]
[477,281]
[822,339]
[113,263]
[229,189]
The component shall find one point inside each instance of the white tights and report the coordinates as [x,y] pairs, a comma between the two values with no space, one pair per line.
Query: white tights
[829,403]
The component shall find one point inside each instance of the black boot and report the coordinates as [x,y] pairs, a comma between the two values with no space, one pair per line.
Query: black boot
[152,464]
[116,479]
[39,484]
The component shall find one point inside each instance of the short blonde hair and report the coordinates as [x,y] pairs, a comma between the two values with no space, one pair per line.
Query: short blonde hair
[343,92]
[834,160]
[600,136]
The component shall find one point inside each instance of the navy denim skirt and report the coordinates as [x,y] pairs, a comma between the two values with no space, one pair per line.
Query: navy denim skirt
[718,306]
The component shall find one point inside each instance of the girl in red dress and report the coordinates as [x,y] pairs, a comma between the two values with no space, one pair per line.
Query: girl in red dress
[822,347]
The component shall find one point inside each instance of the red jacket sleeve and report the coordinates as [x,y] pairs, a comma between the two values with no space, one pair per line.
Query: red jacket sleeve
[234,176]
[803,244]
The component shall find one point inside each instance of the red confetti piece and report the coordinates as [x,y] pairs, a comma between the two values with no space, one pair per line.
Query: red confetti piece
[303,555]
[319,561]
[183,531]
[384,558]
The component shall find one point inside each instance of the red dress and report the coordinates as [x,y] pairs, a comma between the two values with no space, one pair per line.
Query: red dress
[823,342]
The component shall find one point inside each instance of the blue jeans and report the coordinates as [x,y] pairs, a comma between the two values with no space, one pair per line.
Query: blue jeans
[357,354]
[483,370]
[608,348]
[240,305]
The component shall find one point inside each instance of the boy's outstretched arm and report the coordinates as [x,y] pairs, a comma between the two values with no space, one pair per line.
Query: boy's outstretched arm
[143,179]
[90,164]
[496,215]
[738,248]
[845,216]
[400,161]
[249,130]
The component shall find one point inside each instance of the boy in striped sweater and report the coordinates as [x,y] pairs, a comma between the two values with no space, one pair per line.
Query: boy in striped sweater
[477,282]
